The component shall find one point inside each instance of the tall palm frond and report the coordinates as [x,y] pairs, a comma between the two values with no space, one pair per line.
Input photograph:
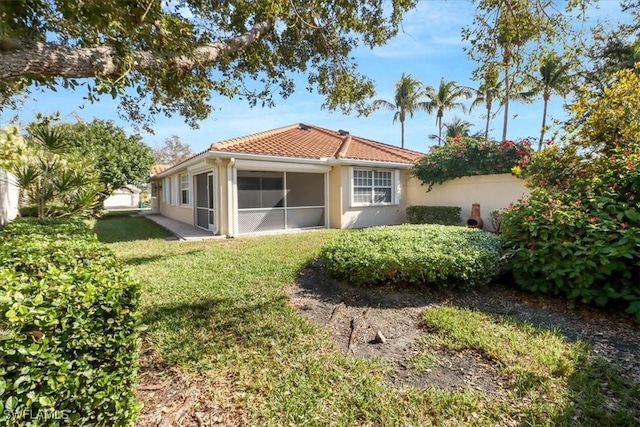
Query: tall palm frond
[408,96]
[446,98]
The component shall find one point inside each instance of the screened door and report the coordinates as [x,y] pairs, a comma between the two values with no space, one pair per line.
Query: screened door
[205,210]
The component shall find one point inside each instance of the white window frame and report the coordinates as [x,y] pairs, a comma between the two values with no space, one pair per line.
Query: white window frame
[185,190]
[393,175]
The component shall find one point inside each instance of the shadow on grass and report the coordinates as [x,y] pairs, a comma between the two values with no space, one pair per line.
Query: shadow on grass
[141,260]
[128,229]
[600,395]
[199,333]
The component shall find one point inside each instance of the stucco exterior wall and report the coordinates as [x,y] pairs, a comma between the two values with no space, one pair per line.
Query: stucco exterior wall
[368,216]
[179,213]
[335,196]
[493,192]
[9,197]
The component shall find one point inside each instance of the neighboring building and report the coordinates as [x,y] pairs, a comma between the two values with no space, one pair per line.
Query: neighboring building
[125,197]
[9,197]
[294,177]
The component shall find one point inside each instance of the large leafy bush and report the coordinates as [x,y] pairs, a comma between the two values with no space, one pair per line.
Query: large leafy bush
[467,156]
[69,328]
[578,234]
[414,254]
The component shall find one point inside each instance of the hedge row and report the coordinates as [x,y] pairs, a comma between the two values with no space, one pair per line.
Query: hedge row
[445,215]
[414,254]
[69,328]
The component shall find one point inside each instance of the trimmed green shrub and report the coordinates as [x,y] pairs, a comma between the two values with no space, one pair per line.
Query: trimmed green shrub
[445,215]
[414,254]
[69,328]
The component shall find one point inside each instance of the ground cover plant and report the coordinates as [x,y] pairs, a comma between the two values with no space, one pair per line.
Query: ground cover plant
[222,332]
[69,327]
[414,254]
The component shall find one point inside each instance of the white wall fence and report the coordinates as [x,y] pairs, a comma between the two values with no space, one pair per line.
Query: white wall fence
[492,192]
[9,197]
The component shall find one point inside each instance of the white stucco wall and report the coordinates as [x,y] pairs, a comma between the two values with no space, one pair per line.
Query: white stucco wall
[9,197]
[492,192]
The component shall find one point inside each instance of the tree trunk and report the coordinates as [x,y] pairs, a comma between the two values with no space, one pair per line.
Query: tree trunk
[544,119]
[486,128]
[402,133]
[439,127]
[51,60]
[507,88]
[506,105]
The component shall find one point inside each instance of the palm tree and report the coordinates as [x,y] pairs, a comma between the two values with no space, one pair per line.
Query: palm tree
[455,127]
[408,94]
[553,78]
[488,91]
[446,98]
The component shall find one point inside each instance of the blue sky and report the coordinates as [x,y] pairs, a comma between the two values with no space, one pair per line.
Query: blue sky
[429,48]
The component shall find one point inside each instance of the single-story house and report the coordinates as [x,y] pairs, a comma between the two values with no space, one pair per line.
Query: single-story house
[126,197]
[290,178]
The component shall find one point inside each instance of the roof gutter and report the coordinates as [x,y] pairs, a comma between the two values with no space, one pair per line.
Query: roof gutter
[370,163]
[183,166]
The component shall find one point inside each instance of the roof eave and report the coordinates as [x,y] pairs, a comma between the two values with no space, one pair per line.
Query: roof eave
[370,163]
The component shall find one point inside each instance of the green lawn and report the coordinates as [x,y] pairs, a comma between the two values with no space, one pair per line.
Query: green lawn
[219,309]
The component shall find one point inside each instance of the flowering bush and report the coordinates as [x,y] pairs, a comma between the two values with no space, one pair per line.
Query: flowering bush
[578,234]
[466,156]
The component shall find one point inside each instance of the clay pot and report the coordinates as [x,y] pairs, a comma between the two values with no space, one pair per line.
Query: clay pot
[475,220]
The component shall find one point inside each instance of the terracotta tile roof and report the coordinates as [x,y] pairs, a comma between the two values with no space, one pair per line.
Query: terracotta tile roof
[314,142]
[156,169]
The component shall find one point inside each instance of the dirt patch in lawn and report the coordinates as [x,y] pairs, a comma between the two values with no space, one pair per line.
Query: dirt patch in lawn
[355,316]
[177,397]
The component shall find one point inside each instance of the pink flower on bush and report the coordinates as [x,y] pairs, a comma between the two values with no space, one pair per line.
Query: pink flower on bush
[624,225]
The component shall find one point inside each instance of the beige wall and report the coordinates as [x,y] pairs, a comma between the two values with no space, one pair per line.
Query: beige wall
[335,196]
[493,192]
[343,215]
[179,213]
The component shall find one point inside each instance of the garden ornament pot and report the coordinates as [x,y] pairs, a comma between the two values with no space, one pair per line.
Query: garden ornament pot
[475,220]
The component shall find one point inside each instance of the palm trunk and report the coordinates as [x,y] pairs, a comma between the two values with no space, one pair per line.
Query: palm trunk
[506,61]
[544,120]
[506,105]
[439,128]
[486,127]
[402,133]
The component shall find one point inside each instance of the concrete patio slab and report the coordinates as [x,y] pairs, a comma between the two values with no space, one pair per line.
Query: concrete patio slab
[180,229]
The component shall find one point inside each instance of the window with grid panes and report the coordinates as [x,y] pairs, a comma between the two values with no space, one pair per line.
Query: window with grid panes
[372,187]
[184,189]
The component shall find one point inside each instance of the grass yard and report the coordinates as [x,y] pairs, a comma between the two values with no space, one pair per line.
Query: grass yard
[218,313]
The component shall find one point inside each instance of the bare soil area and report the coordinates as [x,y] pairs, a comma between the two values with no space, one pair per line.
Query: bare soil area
[355,316]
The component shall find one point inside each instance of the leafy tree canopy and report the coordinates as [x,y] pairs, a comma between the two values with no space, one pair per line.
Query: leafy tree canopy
[120,159]
[176,54]
[172,151]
